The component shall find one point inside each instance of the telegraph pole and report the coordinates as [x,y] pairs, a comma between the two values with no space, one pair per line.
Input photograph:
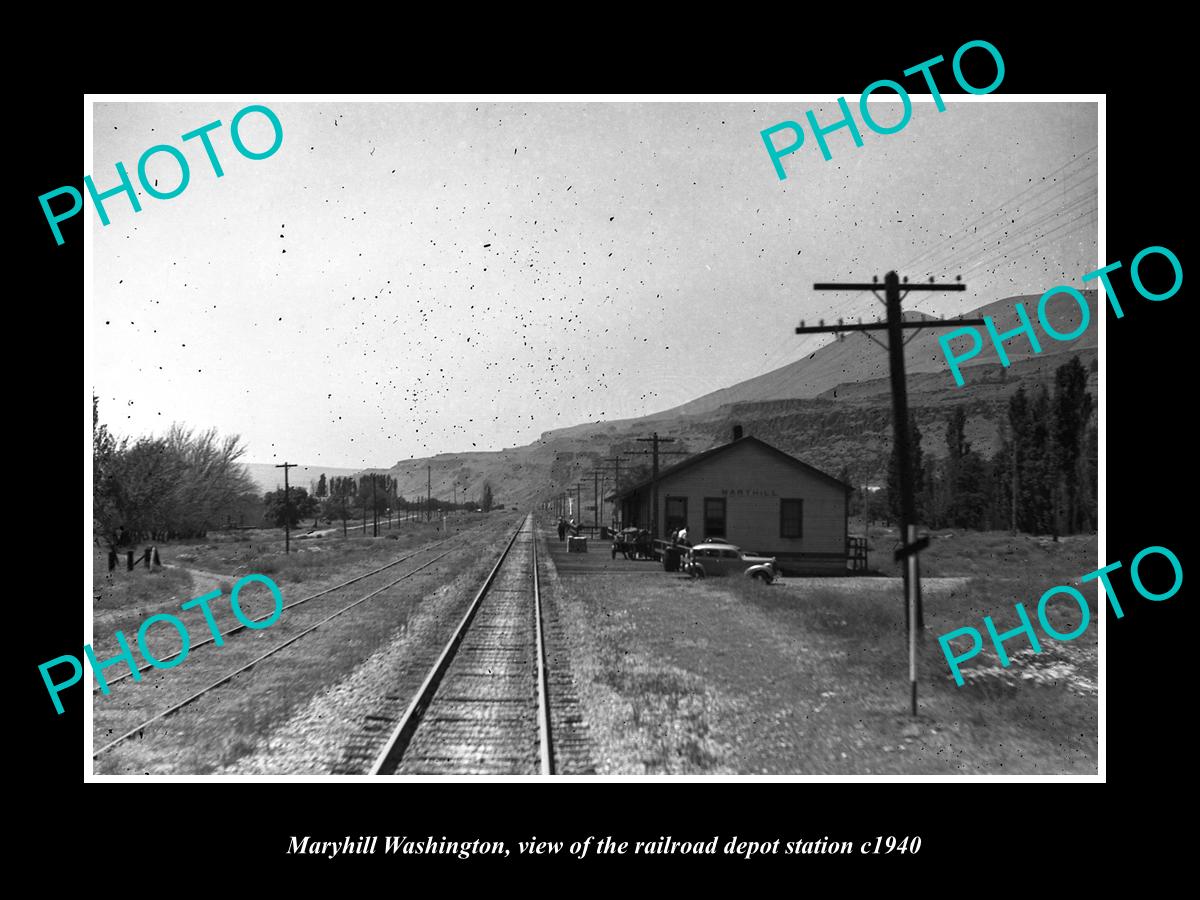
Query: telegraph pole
[596,500]
[374,507]
[287,507]
[654,440]
[428,493]
[895,326]
[603,473]
[616,461]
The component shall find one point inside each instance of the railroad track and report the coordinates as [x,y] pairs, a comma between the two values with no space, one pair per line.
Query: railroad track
[196,695]
[483,707]
[242,627]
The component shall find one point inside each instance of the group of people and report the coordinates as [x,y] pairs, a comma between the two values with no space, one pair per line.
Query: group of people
[565,528]
[568,527]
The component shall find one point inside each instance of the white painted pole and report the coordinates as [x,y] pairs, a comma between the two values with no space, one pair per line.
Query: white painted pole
[911,562]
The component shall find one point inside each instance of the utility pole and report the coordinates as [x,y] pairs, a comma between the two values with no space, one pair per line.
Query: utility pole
[895,326]
[616,461]
[596,501]
[604,472]
[374,507]
[287,507]
[428,493]
[654,440]
[345,512]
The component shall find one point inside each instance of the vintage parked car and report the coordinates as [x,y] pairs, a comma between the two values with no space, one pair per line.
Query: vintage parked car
[708,559]
[635,543]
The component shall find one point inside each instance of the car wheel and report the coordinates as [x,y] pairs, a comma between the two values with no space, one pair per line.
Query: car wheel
[762,576]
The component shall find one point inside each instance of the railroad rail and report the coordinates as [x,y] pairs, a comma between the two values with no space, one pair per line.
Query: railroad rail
[191,698]
[337,587]
[483,707]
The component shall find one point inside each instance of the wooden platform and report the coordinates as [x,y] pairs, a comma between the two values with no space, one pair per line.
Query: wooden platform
[597,561]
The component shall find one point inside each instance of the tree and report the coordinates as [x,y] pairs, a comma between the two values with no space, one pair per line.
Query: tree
[296,506]
[179,485]
[322,489]
[1088,478]
[1004,477]
[1031,436]
[106,455]
[485,502]
[208,480]
[966,479]
[973,497]
[374,492]
[341,499]
[1072,413]
[918,468]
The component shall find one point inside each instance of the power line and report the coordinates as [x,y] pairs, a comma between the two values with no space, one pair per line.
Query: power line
[996,258]
[1000,230]
[1037,186]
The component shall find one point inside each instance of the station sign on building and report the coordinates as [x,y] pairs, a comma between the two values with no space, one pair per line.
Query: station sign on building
[752,495]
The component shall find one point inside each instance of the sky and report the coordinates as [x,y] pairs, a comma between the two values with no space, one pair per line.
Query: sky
[405,279]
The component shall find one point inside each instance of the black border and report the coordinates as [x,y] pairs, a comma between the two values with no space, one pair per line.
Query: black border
[989,830]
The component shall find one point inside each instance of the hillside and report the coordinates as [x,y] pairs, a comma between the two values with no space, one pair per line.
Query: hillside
[832,409]
[858,359]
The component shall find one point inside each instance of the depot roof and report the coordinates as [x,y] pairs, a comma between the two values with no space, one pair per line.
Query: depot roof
[716,451]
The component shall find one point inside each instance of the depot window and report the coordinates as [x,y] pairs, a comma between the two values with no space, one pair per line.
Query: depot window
[714,517]
[791,518]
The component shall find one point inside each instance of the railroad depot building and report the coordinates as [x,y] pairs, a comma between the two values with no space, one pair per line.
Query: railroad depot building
[754,496]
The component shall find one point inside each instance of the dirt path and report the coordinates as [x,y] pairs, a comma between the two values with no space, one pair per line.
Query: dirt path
[201,577]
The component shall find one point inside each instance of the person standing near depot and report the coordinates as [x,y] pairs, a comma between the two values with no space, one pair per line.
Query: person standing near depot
[562,529]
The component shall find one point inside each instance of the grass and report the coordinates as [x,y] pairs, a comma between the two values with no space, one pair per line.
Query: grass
[666,708]
[239,717]
[990,554]
[1037,714]
[262,550]
[121,600]
[729,675]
